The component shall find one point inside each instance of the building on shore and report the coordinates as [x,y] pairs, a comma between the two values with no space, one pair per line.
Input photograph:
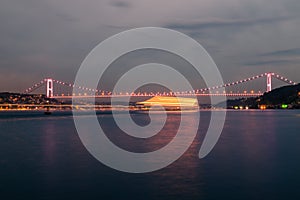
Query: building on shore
[168,104]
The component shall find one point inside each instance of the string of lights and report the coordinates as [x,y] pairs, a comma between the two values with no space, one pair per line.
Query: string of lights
[203,91]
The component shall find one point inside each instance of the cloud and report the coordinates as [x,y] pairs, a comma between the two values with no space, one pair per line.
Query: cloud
[51,37]
[267,62]
[221,23]
[286,52]
[120,4]
[279,57]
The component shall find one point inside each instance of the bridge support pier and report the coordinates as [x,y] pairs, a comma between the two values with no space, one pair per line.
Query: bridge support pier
[49,88]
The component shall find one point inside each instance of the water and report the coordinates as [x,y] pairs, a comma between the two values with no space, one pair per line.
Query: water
[257,157]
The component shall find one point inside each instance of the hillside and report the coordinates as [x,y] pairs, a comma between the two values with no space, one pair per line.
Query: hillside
[287,96]
[17,98]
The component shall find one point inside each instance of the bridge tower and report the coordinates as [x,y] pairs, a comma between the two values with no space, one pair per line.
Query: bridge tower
[269,82]
[49,87]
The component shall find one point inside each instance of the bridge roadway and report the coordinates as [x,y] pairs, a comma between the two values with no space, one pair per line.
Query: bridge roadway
[58,106]
[151,95]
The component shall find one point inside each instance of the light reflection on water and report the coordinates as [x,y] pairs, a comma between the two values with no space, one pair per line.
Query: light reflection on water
[256,157]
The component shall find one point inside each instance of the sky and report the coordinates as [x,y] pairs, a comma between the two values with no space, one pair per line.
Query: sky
[51,38]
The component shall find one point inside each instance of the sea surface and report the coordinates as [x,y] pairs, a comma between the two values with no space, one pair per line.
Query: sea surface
[256,157]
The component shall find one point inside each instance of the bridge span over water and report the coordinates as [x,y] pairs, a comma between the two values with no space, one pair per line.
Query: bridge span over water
[212,91]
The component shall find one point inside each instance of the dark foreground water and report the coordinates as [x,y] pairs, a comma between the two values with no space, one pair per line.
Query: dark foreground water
[257,157]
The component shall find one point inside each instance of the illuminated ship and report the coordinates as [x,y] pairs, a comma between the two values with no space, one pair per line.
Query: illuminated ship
[159,103]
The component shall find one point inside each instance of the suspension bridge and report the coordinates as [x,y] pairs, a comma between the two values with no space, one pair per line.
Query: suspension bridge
[212,91]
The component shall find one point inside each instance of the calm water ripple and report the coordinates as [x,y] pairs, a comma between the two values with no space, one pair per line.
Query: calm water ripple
[257,157]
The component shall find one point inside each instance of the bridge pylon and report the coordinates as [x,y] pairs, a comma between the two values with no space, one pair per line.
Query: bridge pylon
[49,87]
[269,82]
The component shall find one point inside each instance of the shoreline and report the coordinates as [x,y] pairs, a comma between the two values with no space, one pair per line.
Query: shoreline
[135,110]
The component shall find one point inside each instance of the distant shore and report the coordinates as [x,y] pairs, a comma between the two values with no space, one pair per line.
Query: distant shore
[133,109]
